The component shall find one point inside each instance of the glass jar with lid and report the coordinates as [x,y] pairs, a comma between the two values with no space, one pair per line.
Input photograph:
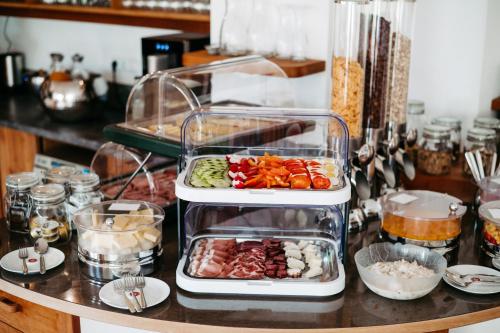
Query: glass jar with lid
[455,125]
[491,228]
[85,191]
[435,151]
[61,175]
[484,141]
[415,120]
[489,123]
[424,218]
[48,217]
[17,200]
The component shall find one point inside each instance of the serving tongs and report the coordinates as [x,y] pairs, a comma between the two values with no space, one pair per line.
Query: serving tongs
[465,280]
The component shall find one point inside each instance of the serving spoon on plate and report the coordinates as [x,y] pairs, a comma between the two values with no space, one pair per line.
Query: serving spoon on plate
[41,247]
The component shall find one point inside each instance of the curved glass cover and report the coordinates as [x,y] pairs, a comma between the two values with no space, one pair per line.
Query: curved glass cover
[159,102]
[261,221]
[251,131]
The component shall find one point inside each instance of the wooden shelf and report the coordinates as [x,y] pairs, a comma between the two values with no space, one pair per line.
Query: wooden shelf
[291,68]
[192,22]
[495,104]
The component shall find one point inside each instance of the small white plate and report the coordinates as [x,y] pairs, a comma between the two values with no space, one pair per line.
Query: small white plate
[11,262]
[474,288]
[156,291]
[496,262]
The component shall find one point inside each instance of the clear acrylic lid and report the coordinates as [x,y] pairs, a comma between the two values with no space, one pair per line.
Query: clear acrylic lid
[114,164]
[262,221]
[84,182]
[423,205]
[487,122]
[160,101]
[490,211]
[251,131]
[135,215]
[22,180]
[48,193]
[61,175]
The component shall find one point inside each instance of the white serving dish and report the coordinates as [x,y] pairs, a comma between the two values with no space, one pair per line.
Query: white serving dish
[184,191]
[395,287]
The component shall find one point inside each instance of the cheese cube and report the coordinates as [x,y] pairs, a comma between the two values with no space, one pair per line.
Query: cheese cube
[152,234]
[144,216]
[95,219]
[121,242]
[120,222]
[101,241]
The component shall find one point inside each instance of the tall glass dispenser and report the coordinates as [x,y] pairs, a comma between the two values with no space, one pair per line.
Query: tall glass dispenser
[348,62]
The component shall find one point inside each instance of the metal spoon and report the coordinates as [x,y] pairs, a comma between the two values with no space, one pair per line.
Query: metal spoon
[41,247]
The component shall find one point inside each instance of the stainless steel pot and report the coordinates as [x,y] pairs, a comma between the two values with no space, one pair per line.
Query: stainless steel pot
[70,100]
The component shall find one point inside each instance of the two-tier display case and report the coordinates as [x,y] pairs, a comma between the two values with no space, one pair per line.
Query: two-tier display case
[267,206]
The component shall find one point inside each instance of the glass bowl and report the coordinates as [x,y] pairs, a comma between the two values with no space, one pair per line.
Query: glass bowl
[397,287]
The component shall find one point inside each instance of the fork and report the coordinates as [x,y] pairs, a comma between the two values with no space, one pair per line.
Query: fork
[129,283]
[140,282]
[455,279]
[475,277]
[119,288]
[23,255]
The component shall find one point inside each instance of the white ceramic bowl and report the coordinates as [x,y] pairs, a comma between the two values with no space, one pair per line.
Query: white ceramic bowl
[394,287]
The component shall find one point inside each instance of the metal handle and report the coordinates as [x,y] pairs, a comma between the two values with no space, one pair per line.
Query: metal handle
[143,299]
[137,306]
[130,306]
[25,267]
[42,264]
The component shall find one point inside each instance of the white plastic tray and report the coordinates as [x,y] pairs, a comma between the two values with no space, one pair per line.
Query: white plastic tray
[260,287]
[259,196]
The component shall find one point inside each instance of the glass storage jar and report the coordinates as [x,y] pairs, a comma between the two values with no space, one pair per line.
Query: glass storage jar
[48,217]
[415,120]
[489,190]
[484,141]
[488,213]
[489,123]
[17,200]
[423,218]
[61,175]
[455,125]
[85,191]
[435,151]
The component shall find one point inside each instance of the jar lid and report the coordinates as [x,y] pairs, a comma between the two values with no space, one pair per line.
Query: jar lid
[22,180]
[437,132]
[423,205]
[487,122]
[490,211]
[416,107]
[450,122]
[48,192]
[481,134]
[61,175]
[84,182]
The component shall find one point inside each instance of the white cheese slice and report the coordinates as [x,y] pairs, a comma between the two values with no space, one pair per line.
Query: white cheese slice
[152,235]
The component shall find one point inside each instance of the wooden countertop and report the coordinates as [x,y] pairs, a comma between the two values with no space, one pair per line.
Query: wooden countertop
[357,309]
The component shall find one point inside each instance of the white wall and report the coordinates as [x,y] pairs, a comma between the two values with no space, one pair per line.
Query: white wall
[100,44]
[449,47]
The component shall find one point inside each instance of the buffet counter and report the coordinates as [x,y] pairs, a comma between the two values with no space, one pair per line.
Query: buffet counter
[357,309]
